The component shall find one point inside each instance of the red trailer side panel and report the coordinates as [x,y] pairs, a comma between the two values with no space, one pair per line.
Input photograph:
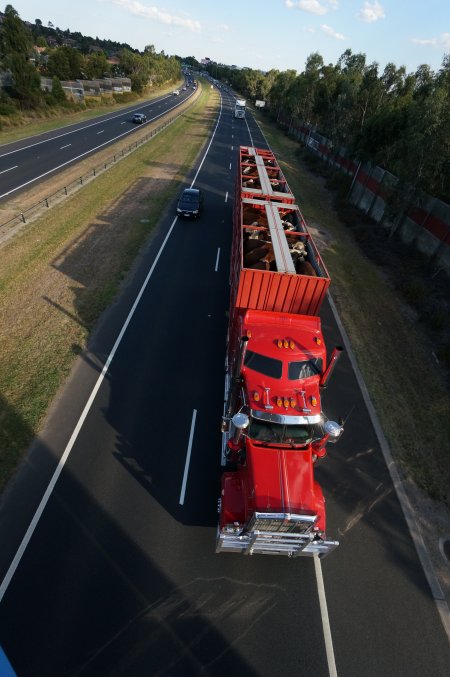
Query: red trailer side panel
[267,290]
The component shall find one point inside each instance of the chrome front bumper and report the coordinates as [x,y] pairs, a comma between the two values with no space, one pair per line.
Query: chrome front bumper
[273,543]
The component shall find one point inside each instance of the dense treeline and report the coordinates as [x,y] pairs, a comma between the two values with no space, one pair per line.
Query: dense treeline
[397,120]
[27,53]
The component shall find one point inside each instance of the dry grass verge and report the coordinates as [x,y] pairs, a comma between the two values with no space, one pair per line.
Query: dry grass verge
[60,273]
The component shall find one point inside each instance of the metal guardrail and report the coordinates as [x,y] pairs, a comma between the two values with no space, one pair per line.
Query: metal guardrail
[27,215]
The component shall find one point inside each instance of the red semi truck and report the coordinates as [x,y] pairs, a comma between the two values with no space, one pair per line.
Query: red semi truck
[274,428]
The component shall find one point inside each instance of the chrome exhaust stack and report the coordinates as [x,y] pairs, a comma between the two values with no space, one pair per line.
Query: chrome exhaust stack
[235,383]
[337,352]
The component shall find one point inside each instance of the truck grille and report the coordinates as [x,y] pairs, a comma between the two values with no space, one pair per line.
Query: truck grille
[276,534]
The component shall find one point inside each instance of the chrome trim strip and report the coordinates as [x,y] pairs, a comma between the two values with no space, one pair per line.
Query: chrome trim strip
[286,420]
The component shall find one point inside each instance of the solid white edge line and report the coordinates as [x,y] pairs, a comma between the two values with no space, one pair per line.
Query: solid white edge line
[217,261]
[188,458]
[226,196]
[79,129]
[413,528]
[209,146]
[419,544]
[29,532]
[88,152]
[325,619]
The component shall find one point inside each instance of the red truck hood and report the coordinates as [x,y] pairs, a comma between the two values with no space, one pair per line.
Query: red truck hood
[282,480]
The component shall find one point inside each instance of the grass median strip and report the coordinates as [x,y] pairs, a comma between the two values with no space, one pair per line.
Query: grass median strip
[59,274]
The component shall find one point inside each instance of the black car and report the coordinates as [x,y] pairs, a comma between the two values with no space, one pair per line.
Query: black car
[139,118]
[190,203]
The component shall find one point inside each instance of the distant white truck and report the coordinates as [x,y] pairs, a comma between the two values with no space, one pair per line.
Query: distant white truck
[239,108]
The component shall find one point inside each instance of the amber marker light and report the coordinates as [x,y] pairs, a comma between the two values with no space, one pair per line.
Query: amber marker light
[313,401]
[256,396]
[280,343]
[279,401]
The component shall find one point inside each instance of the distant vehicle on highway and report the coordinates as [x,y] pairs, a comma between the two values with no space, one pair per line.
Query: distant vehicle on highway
[190,203]
[139,118]
[177,92]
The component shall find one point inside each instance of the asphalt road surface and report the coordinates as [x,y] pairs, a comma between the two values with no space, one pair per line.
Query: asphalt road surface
[112,571]
[28,161]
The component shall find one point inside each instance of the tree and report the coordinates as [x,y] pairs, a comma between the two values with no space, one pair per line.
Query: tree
[58,64]
[66,63]
[14,36]
[57,90]
[16,44]
[27,82]
[135,67]
[277,94]
[96,66]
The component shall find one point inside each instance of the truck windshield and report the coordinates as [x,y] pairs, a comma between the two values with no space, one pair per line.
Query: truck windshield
[263,364]
[305,368]
[264,431]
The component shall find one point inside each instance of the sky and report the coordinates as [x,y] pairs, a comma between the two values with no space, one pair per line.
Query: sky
[262,34]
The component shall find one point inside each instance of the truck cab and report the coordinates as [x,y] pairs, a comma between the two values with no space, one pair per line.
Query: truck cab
[239,108]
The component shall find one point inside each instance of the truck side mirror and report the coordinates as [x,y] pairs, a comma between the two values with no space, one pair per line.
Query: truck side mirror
[333,430]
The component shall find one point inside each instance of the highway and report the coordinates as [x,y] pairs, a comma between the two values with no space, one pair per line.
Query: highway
[108,532]
[22,163]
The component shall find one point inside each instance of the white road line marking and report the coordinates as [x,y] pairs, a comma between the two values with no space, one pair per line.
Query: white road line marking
[325,620]
[66,146]
[226,197]
[188,457]
[72,131]
[102,131]
[217,261]
[421,549]
[26,539]
[29,532]
[230,165]
[119,136]
[9,169]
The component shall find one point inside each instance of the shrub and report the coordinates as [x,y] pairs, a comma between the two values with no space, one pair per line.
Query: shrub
[125,97]
[7,108]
